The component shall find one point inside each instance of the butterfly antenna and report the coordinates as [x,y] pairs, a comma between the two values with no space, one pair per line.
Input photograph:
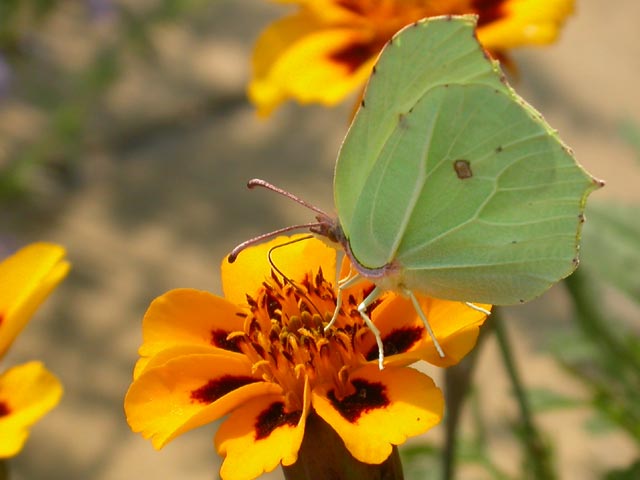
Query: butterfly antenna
[287,279]
[257,182]
[252,241]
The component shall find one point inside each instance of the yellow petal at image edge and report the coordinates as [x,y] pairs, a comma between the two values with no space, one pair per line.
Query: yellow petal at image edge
[29,391]
[415,406]
[159,403]
[247,457]
[26,279]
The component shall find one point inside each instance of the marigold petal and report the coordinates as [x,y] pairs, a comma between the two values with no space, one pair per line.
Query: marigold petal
[252,267]
[321,65]
[190,391]
[26,279]
[455,325]
[260,435]
[145,363]
[386,408]
[27,393]
[188,317]
[525,22]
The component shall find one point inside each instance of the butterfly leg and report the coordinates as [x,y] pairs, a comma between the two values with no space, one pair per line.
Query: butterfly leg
[475,307]
[362,309]
[423,317]
[346,282]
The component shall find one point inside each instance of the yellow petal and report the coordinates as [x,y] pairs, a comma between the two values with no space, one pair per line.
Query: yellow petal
[26,279]
[525,22]
[455,325]
[190,391]
[385,408]
[188,317]
[251,268]
[260,435]
[296,58]
[27,393]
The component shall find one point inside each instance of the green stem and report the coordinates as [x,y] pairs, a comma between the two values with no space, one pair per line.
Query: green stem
[537,454]
[4,470]
[592,321]
[458,380]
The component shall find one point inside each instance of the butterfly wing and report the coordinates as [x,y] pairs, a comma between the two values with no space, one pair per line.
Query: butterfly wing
[452,177]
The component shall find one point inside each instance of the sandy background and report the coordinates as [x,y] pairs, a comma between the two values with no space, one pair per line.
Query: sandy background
[154,208]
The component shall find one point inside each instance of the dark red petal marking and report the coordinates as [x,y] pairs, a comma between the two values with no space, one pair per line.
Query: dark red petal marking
[355,7]
[273,417]
[219,339]
[4,409]
[489,10]
[1,319]
[354,55]
[368,396]
[215,389]
[398,341]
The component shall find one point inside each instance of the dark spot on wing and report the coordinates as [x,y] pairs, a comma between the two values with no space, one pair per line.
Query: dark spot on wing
[463,169]
[4,409]
[403,123]
[499,149]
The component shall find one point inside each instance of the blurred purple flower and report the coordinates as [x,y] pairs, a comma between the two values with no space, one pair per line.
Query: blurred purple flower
[100,9]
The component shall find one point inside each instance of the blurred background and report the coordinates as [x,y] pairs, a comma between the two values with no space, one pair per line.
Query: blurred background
[126,136]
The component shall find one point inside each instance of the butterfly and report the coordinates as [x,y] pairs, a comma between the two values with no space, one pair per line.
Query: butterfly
[448,183]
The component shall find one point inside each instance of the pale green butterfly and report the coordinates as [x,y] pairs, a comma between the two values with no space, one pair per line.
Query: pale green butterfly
[448,183]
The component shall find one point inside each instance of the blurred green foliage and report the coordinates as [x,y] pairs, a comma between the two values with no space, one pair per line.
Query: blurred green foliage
[69,99]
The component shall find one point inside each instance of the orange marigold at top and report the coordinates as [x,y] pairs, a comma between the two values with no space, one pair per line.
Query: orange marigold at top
[326,50]
[261,355]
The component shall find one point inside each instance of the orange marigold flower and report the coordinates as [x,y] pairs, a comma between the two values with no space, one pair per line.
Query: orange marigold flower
[28,391]
[261,355]
[326,50]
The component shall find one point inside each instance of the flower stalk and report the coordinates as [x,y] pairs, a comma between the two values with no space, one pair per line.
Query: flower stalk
[323,455]
[537,454]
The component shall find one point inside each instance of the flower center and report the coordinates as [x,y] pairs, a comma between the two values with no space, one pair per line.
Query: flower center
[285,335]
